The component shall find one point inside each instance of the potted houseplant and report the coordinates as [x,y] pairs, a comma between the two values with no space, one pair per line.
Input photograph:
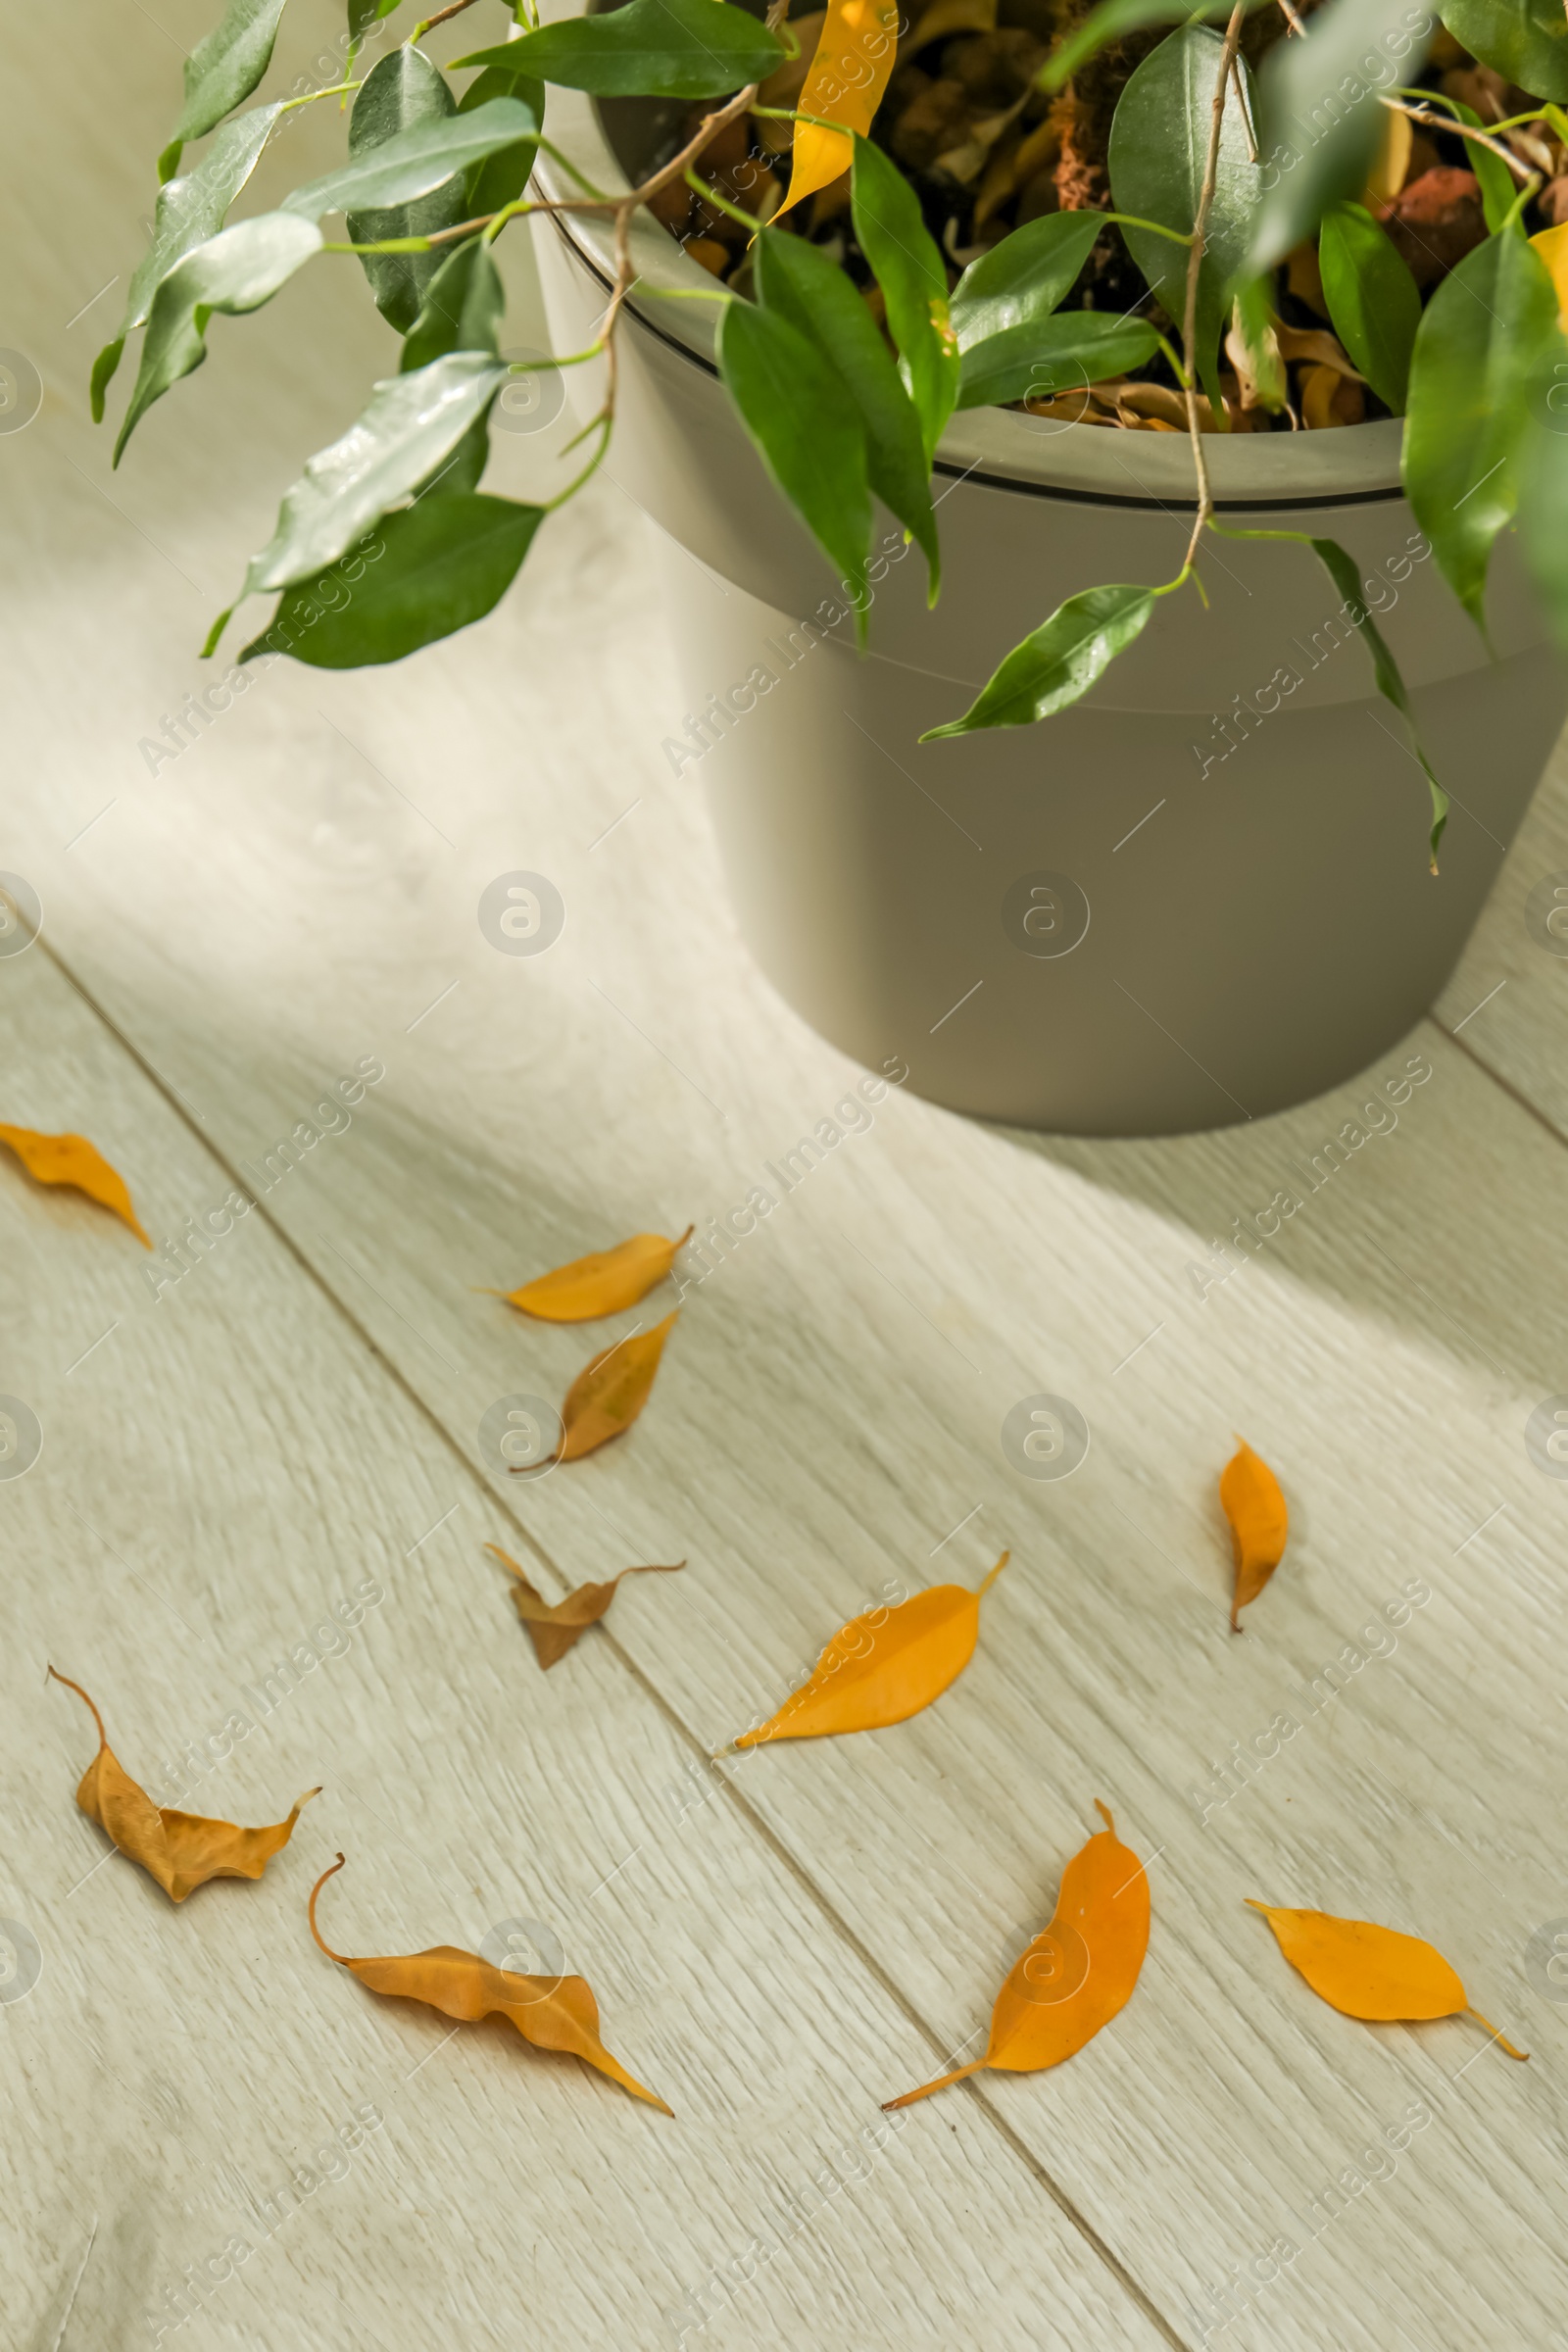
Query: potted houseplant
[1205,358]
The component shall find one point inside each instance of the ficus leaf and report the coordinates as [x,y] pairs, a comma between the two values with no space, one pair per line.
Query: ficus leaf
[1113,19]
[180,1850]
[413,163]
[603,1282]
[1051,356]
[910,269]
[1321,122]
[558,1625]
[1077,1975]
[403,92]
[1250,1498]
[553,2013]
[1526,42]
[610,1391]
[1057,663]
[797,281]
[1022,279]
[1498,184]
[463,309]
[1374,302]
[1371,1972]
[1159,138]
[1544,485]
[502,177]
[238,270]
[189,209]
[222,70]
[843,85]
[410,424]
[1342,571]
[884,1666]
[444,564]
[1481,341]
[646,49]
[807,429]
[362,14]
[71,1160]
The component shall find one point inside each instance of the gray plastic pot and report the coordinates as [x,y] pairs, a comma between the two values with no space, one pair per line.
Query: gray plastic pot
[1199,895]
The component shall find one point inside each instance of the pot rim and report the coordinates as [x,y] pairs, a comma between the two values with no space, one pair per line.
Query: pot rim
[1086,463]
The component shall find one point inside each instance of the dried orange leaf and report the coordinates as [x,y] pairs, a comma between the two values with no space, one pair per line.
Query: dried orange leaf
[555,1626]
[1077,1974]
[1372,1972]
[180,1850]
[1250,1498]
[601,1284]
[849,73]
[610,1391]
[553,2013]
[71,1160]
[884,1666]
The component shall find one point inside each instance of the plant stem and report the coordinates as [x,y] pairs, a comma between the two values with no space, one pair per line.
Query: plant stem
[441,15]
[1459,131]
[1205,204]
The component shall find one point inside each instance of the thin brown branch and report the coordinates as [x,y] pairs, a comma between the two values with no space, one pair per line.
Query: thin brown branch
[1459,130]
[456,10]
[1195,263]
[1291,19]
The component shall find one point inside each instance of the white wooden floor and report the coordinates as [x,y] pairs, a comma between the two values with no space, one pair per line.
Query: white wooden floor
[782,1942]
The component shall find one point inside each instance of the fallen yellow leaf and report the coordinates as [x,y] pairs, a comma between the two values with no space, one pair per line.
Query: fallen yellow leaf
[599,1284]
[610,1391]
[1371,1972]
[1250,1498]
[555,1626]
[71,1160]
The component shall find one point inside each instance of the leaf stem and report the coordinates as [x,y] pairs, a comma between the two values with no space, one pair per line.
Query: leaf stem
[329,1873]
[1398,104]
[103,1736]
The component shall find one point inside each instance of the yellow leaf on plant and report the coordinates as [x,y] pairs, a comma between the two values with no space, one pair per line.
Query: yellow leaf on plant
[1371,1972]
[1250,1498]
[556,1625]
[884,1666]
[1553,246]
[180,1850]
[599,1284]
[1391,162]
[553,2013]
[610,1391]
[1076,1975]
[71,1160]
[849,73]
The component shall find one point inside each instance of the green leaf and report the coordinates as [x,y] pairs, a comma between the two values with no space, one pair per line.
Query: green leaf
[410,424]
[1341,571]
[502,178]
[463,309]
[400,94]
[362,14]
[1253,323]
[1524,40]
[1159,156]
[1059,661]
[441,566]
[221,70]
[1498,188]
[422,157]
[1483,337]
[1321,119]
[1374,302]
[1024,278]
[1054,355]
[1112,20]
[646,49]
[799,282]
[239,269]
[807,430]
[1544,488]
[910,269]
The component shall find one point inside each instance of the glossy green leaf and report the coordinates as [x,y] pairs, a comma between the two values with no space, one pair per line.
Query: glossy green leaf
[910,269]
[501,179]
[799,282]
[646,49]
[362,14]
[1341,571]
[463,309]
[442,565]
[1024,278]
[1544,488]
[1524,40]
[1498,188]
[1321,119]
[189,209]
[410,424]
[1482,340]
[1112,20]
[1374,302]
[1059,661]
[1053,357]
[414,162]
[807,430]
[239,269]
[222,70]
[402,93]
[1159,156]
